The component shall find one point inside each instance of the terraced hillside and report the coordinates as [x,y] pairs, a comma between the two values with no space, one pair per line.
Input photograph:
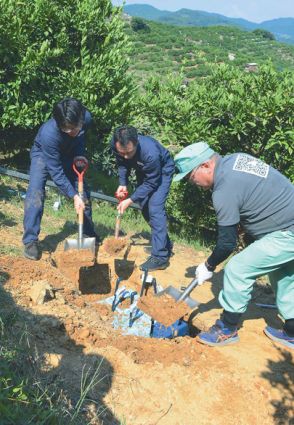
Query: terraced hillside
[162,49]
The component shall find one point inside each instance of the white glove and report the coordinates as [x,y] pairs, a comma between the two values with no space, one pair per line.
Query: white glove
[202,273]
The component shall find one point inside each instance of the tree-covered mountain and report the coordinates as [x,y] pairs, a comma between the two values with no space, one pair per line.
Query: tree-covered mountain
[282,28]
[162,49]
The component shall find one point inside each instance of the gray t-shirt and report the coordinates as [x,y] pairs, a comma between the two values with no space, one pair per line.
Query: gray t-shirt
[248,191]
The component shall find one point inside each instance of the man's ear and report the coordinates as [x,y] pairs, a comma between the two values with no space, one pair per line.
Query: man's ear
[205,164]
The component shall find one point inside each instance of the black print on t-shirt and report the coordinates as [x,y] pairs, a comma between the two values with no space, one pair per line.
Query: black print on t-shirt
[248,164]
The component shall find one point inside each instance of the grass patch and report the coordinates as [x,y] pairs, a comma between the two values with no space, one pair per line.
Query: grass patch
[24,399]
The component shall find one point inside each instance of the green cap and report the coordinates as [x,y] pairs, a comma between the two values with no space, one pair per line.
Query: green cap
[191,157]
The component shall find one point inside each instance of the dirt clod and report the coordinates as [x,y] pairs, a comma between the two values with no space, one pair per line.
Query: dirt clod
[163,309]
[114,246]
[40,292]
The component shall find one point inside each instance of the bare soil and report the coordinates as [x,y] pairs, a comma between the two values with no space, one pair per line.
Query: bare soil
[147,381]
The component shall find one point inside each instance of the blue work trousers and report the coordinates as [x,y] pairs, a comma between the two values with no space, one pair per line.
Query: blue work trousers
[154,213]
[35,197]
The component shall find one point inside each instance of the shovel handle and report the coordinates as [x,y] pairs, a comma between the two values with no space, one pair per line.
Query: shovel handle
[120,197]
[80,166]
[117,226]
[188,290]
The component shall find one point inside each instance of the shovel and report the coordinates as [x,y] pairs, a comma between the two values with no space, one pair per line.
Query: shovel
[181,296]
[80,165]
[120,197]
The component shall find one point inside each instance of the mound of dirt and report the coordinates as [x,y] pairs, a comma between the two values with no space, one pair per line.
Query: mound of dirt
[71,262]
[163,309]
[75,258]
[113,246]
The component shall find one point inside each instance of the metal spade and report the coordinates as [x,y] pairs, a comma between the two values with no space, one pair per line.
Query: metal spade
[80,165]
[181,296]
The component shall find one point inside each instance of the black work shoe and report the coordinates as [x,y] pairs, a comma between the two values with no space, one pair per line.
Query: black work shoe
[32,251]
[154,263]
[148,250]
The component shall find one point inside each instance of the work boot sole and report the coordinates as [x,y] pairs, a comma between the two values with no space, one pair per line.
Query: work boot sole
[218,344]
[279,340]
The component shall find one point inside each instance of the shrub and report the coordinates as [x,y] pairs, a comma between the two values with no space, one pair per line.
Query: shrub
[56,48]
[138,24]
[233,111]
[264,34]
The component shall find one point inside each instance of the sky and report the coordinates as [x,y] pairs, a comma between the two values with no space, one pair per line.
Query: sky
[252,10]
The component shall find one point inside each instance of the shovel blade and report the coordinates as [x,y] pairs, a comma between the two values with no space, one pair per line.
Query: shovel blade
[176,294]
[85,243]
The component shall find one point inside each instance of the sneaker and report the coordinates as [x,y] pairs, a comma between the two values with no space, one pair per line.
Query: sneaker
[154,263]
[32,251]
[279,335]
[219,335]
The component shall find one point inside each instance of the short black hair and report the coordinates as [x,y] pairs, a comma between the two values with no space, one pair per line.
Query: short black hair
[124,135]
[69,111]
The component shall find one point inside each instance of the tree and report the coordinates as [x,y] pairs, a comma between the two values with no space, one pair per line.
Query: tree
[231,110]
[264,34]
[138,24]
[55,48]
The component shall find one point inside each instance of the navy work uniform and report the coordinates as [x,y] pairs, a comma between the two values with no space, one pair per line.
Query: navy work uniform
[154,168]
[52,155]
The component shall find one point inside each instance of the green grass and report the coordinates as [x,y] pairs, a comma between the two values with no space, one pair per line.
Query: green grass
[24,398]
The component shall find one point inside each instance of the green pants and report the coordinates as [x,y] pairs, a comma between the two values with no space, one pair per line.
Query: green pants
[272,255]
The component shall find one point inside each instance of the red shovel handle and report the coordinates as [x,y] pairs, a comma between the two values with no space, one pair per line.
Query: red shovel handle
[80,166]
[121,196]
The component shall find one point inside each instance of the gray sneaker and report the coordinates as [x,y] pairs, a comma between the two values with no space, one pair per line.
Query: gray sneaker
[32,251]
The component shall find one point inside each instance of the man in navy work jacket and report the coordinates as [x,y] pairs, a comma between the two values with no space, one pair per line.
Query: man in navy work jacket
[58,142]
[154,169]
[248,191]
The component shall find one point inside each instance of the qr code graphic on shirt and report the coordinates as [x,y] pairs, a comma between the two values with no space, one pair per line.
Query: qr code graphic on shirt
[248,164]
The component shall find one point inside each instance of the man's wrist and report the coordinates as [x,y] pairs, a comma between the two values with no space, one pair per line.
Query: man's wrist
[209,267]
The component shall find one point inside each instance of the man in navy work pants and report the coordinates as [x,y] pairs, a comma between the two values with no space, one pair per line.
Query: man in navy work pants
[248,191]
[58,142]
[154,169]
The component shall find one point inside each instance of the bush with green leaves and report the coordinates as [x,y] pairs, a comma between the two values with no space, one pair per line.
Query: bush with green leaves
[264,33]
[139,24]
[56,48]
[230,109]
